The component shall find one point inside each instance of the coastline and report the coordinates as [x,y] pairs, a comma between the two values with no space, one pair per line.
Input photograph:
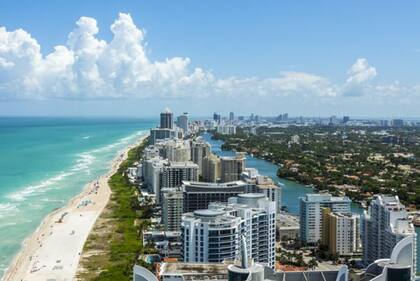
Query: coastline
[53,250]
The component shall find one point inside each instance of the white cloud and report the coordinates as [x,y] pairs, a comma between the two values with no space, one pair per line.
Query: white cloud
[87,67]
[361,72]
[301,82]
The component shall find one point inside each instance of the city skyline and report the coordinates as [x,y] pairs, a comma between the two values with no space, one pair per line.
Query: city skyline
[132,59]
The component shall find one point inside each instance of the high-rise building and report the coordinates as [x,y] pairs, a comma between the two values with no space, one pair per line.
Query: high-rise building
[174,173]
[231,116]
[199,150]
[202,231]
[157,134]
[346,119]
[341,232]
[226,129]
[259,217]
[160,173]
[172,208]
[310,213]
[400,266]
[232,167]
[262,184]
[397,122]
[214,234]
[211,168]
[384,224]
[174,150]
[182,122]
[167,119]
[217,118]
[198,195]
[151,173]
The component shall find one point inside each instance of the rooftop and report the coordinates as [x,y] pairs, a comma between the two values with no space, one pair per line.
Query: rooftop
[214,185]
[193,268]
[251,195]
[209,213]
[324,197]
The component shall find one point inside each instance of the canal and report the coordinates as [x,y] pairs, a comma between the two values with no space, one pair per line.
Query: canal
[291,191]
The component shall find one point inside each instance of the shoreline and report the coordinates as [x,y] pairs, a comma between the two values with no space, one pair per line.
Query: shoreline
[53,250]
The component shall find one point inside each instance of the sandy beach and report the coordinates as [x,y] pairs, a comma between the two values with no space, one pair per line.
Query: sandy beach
[53,251]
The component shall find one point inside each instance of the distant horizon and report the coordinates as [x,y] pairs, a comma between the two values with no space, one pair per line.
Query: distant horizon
[135,57]
[193,117]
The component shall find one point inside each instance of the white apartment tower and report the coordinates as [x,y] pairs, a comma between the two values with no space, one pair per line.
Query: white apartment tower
[214,234]
[182,122]
[310,213]
[384,224]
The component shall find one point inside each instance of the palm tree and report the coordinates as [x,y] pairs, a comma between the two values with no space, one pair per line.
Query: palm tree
[312,264]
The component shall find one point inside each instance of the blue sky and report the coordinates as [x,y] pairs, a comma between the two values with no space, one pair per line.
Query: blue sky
[306,57]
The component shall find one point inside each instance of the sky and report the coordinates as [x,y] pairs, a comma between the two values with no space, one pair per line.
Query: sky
[135,58]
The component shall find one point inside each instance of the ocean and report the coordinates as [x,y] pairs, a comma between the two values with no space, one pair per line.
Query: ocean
[46,161]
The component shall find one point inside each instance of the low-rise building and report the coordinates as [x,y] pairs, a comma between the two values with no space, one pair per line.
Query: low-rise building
[167,243]
[287,227]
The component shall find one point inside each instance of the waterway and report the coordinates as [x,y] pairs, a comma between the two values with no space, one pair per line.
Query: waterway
[291,191]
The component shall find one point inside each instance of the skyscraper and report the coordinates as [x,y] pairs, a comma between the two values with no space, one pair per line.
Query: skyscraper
[172,209]
[211,168]
[231,117]
[346,119]
[182,122]
[214,234]
[310,213]
[232,167]
[167,119]
[199,150]
[216,117]
[384,224]
[341,232]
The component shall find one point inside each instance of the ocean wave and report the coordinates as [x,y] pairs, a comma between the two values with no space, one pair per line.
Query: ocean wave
[7,209]
[121,142]
[86,137]
[83,163]
[32,190]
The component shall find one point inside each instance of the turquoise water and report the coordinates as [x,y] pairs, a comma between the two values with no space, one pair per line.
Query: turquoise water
[46,161]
